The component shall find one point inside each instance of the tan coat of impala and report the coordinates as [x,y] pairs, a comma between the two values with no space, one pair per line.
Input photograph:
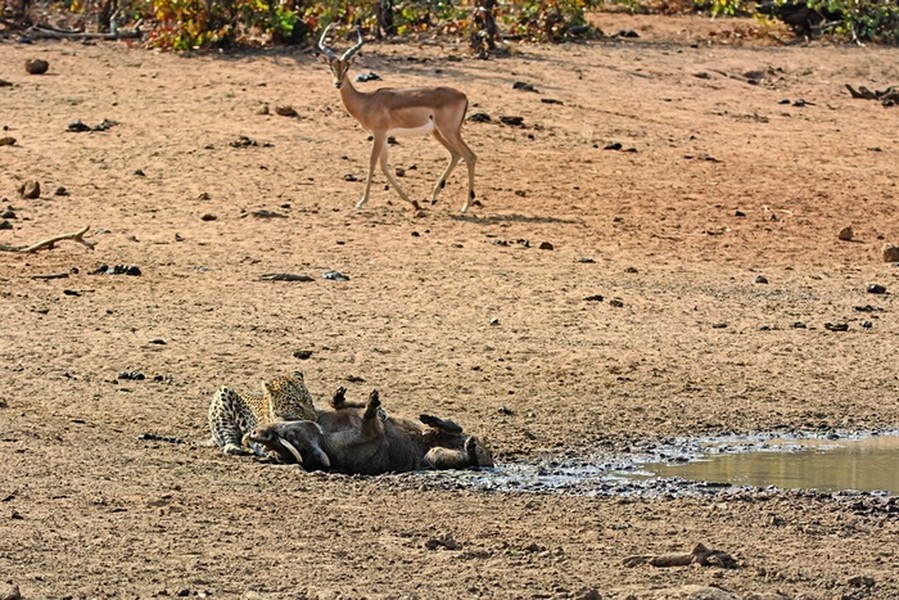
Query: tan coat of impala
[386,112]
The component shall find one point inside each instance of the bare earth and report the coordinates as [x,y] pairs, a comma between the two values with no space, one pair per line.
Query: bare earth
[451,315]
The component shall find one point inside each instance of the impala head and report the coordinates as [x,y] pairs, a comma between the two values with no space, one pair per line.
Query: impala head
[339,65]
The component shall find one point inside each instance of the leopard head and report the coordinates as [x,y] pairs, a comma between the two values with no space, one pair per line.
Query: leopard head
[288,399]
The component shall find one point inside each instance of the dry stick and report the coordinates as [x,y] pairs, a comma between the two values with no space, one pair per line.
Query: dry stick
[50,243]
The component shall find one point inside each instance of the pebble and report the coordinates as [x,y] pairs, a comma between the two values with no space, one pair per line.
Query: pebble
[36,66]
[5,225]
[836,326]
[7,141]
[876,288]
[845,234]
[132,375]
[286,111]
[302,354]
[761,279]
[30,189]
[335,276]
[890,253]
[546,246]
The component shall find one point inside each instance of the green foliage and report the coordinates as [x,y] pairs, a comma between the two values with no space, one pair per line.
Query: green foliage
[725,8]
[859,19]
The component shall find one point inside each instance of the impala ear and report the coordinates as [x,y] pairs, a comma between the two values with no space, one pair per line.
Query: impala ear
[322,58]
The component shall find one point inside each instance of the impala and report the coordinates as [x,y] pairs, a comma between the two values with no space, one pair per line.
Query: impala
[386,112]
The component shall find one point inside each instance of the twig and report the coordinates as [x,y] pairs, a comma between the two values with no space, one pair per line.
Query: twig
[39,32]
[50,243]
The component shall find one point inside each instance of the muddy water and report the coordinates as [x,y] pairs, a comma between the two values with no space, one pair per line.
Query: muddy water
[857,462]
[829,465]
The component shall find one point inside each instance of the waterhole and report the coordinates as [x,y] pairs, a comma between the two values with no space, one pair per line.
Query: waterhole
[864,464]
[856,462]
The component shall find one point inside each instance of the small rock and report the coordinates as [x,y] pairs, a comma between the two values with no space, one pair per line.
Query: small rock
[158,341]
[286,111]
[512,121]
[867,324]
[494,321]
[526,87]
[612,146]
[739,213]
[78,126]
[36,66]
[546,246]
[631,270]
[264,110]
[594,298]
[400,172]
[139,173]
[628,33]
[350,177]
[585,260]
[761,279]
[208,217]
[30,189]
[60,191]
[861,581]
[845,234]
[10,591]
[132,375]
[799,325]
[876,288]
[890,253]
[719,326]
[302,354]
[8,214]
[616,303]
[370,76]
[335,276]
[7,141]
[5,225]
[480,117]
[4,83]
[505,410]
[836,326]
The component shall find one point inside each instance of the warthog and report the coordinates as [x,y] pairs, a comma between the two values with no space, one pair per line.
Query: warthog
[358,439]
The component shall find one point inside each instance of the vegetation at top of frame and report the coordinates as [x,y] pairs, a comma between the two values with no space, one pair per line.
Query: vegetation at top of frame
[197,24]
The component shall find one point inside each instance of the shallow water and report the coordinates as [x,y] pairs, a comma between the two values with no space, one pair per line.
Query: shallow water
[856,462]
[864,464]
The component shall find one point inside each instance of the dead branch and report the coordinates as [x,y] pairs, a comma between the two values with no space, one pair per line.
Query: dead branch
[50,243]
[41,32]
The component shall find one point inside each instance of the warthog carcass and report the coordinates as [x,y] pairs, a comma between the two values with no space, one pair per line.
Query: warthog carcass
[364,440]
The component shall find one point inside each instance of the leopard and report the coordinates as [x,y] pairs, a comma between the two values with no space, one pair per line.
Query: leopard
[232,416]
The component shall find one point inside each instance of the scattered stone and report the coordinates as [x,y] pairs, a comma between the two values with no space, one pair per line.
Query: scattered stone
[350,177]
[5,225]
[75,293]
[480,117]
[335,276]
[203,197]
[584,260]
[616,303]
[845,234]
[264,110]
[302,354]
[761,279]
[4,83]
[631,270]
[9,213]
[612,146]
[836,326]
[494,321]
[105,125]
[551,101]
[285,277]
[719,325]
[158,341]
[445,541]
[512,121]
[208,217]
[594,298]
[132,375]
[153,437]
[627,33]
[799,325]
[876,288]
[739,213]
[286,111]
[800,102]
[370,76]
[525,87]
[505,410]
[400,172]
[784,101]
[890,253]
[867,324]
[861,581]
[7,141]
[139,173]
[60,191]
[132,270]
[763,328]
[546,246]
[36,66]
[867,308]
[77,126]
[266,214]
[245,142]
[30,189]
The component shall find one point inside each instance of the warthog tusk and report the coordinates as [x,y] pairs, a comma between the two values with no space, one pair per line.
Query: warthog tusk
[290,447]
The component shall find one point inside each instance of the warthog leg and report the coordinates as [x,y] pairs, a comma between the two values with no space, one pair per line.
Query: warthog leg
[444,425]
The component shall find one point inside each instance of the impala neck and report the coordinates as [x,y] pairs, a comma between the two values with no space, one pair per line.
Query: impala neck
[351,97]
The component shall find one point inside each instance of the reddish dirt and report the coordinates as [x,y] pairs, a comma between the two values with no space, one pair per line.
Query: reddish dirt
[449,314]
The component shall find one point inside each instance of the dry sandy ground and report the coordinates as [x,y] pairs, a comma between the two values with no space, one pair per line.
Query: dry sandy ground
[450,314]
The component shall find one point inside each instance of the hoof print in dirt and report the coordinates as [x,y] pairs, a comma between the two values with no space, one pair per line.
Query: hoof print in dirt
[30,190]
[36,66]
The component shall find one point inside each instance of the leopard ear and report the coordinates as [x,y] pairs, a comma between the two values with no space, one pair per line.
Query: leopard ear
[299,376]
[266,387]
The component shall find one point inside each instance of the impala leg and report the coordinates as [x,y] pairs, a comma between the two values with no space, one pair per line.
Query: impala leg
[396,185]
[377,149]
[454,160]
[470,159]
